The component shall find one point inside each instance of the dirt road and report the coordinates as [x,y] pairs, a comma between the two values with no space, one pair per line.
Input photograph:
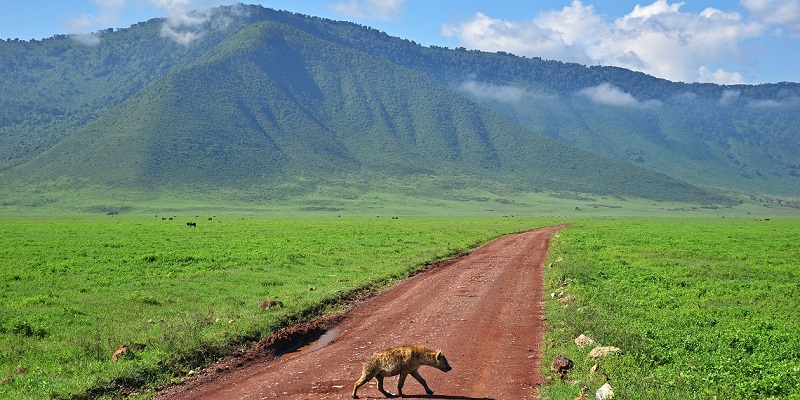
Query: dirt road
[483,310]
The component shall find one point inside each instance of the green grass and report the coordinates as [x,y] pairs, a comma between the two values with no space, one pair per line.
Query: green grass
[702,308]
[74,289]
[351,196]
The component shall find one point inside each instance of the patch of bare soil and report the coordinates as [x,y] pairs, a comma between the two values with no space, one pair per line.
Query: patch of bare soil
[484,310]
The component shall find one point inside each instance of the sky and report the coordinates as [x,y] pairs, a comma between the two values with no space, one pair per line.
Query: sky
[725,42]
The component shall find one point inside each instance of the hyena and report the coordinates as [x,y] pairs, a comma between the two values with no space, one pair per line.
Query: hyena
[402,360]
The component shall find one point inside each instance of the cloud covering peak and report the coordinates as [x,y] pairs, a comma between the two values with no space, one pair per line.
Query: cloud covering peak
[186,20]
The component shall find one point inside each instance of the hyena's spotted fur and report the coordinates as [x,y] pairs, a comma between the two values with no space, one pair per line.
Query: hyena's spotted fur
[400,360]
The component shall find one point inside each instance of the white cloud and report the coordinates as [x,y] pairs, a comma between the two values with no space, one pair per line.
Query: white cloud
[80,28]
[793,101]
[785,13]
[679,46]
[506,94]
[369,9]
[186,20]
[89,39]
[658,39]
[719,76]
[553,35]
[659,7]
[184,27]
[729,97]
[608,94]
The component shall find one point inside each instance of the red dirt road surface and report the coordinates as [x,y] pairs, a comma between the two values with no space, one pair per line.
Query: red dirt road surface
[483,310]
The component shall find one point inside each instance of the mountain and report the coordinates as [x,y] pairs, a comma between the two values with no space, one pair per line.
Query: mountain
[744,138]
[266,99]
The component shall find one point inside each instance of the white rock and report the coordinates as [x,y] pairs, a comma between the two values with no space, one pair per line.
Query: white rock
[605,392]
[603,351]
[583,340]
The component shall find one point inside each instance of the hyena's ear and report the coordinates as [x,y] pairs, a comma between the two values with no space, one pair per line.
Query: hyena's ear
[438,354]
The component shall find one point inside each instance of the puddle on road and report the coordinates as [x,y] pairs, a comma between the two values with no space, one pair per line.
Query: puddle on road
[321,342]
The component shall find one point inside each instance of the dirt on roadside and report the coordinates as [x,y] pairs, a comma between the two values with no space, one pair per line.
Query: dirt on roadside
[484,310]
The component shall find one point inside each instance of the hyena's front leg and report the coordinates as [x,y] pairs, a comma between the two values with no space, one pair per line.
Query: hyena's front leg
[400,383]
[380,386]
[419,379]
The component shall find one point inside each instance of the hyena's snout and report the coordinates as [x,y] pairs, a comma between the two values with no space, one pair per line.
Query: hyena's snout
[442,363]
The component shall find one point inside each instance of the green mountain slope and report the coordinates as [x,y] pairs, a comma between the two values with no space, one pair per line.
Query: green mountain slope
[270,97]
[53,86]
[272,103]
[742,137]
[751,146]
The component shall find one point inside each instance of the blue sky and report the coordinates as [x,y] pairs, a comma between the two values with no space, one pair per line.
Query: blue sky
[727,42]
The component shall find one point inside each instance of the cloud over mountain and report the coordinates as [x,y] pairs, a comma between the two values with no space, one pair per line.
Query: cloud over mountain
[608,94]
[783,13]
[186,20]
[506,94]
[657,39]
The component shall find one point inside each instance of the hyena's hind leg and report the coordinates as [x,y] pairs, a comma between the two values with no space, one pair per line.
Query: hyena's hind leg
[380,386]
[419,379]
[365,377]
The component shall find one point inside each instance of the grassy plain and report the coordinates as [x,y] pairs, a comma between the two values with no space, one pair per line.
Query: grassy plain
[352,197]
[74,289]
[702,308]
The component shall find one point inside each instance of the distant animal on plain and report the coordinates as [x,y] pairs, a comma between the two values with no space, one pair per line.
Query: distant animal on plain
[400,360]
[120,352]
[192,224]
[265,304]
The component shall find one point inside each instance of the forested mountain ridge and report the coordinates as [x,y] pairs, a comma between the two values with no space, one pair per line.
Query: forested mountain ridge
[270,97]
[741,137]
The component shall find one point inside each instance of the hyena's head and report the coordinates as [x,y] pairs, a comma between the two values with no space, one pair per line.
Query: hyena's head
[441,362]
